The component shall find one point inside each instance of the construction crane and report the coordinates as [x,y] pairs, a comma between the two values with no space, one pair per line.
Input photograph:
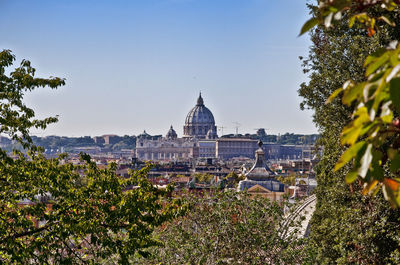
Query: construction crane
[221,128]
[237,126]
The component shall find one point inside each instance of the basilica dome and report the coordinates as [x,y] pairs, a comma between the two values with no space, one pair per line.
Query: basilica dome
[171,134]
[199,121]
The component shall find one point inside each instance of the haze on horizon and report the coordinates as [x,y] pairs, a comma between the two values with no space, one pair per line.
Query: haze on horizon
[140,65]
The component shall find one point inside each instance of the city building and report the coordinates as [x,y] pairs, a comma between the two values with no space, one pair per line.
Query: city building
[4,141]
[111,138]
[260,179]
[169,147]
[227,148]
[207,148]
[198,140]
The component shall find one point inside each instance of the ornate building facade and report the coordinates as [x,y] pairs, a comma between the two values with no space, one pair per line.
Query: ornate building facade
[168,148]
[199,139]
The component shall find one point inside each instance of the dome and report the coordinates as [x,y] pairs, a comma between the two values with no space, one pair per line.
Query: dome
[199,121]
[199,114]
[211,134]
[260,170]
[144,135]
[261,174]
[171,134]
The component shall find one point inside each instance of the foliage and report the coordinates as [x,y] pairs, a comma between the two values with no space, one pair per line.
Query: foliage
[291,138]
[56,142]
[127,142]
[346,227]
[53,212]
[203,177]
[287,180]
[373,133]
[226,228]
[233,179]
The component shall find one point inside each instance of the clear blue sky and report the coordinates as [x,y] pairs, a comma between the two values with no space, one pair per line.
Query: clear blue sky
[135,65]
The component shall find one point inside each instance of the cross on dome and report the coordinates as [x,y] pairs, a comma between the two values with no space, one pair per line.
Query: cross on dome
[200,100]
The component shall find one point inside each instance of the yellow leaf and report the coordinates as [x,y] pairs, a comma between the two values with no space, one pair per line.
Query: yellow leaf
[369,187]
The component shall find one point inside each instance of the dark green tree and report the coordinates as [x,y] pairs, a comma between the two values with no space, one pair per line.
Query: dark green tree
[347,227]
[53,212]
[372,132]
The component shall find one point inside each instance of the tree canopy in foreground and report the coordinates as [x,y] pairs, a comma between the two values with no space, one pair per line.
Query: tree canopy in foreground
[227,228]
[373,132]
[55,212]
[347,227]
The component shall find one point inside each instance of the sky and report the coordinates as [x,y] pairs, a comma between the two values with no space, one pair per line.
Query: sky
[140,65]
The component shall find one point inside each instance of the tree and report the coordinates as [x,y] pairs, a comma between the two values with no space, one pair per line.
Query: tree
[55,212]
[288,180]
[233,179]
[347,227]
[373,133]
[226,228]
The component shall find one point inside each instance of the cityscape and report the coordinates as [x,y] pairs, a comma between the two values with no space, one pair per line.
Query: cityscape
[200,132]
[199,151]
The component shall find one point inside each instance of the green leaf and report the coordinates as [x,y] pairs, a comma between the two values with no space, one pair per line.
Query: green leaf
[395,163]
[350,153]
[391,23]
[308,25]
[377,171]
[351,177]
[393,73]
[391,153]
[352,93]
[362,17]
[395,92]
[386,113]
[353,130]
[375,77]
[367,128]
[376,190]
[350,135]
[365,161]
[374,56]
[333,95]
[377,63]
[389,196]
[394,57]
[369,187]
[351,21]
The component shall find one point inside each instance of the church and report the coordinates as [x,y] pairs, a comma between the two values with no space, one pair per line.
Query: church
[260,179]
[199,122]
[199,135]
[200,140]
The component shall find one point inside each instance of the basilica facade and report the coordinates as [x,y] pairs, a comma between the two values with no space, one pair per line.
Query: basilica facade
[199,136]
